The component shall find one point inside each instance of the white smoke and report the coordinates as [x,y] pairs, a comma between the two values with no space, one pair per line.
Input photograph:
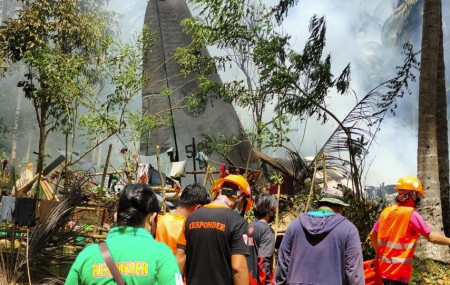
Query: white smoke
[353,36]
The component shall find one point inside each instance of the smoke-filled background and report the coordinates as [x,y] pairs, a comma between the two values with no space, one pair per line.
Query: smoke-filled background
[23,130]
[366,34]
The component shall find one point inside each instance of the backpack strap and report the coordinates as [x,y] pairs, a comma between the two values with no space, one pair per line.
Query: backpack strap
[110,263]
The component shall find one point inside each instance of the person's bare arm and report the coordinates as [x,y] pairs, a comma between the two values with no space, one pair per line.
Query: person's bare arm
[373,240]
[240,269]
[181,259]
[437,238]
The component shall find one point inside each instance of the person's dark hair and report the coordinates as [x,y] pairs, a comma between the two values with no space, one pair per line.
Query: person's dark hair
[263,204]
[136,201]
[230,185]
[194,194]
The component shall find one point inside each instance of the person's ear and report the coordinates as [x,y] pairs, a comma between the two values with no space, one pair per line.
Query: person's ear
[197,206]
[153,221]
[152,218]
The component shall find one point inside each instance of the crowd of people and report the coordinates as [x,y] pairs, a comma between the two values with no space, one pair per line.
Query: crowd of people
[208,241]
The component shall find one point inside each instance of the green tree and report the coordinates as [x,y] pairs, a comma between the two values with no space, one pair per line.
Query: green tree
[271,72]
[239,32]
[79,78]
[59,43]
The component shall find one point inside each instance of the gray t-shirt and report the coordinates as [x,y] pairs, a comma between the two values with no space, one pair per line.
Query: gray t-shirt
[261,243]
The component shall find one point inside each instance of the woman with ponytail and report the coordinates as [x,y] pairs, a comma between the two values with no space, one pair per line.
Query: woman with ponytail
[139,259]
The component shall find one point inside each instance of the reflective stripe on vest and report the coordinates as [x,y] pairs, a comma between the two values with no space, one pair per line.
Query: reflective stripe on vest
[397,260]
[396,245]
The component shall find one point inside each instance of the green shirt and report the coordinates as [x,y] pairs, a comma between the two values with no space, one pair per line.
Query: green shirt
[139,258]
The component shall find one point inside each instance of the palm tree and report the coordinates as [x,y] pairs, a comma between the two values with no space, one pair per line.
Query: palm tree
[429,120]
[442,134]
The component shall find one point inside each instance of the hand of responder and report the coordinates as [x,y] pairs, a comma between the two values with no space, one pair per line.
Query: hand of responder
[438,238]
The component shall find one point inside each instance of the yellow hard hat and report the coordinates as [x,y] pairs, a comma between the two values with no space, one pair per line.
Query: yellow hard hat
[410,183]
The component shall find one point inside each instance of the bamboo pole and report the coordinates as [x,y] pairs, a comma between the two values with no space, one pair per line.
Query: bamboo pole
[3,266]
[206,175]
[194,156]
[127,167]
[313,181]
[201,172]
[107,173]
[13,176]
[28,262]
[54,183]
[276,221]
[163,192]
[13,238]
[211,178]
[57,185]
[119,173]
[167,189]
[100,193]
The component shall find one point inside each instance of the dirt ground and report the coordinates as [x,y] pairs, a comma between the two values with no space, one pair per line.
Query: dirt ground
[430,272]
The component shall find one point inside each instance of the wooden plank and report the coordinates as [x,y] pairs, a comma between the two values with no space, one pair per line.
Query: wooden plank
[55,163]
[100,192]
[45,190]
[107,173]
[27,186]
[48,191]
[45,172]
[201,172]
[167,189]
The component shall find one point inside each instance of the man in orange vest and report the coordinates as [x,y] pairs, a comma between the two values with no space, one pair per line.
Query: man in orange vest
[395,234]
[170,225]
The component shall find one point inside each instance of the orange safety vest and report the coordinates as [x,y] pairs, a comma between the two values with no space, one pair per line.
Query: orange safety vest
[396,243]
[169,228]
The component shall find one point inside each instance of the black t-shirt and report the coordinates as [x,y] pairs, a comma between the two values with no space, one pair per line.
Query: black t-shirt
[261,242]
[212,234]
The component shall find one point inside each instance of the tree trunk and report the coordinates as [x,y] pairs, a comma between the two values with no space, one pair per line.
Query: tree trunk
[41,150]
[16,120]
[42,123]
[427,153]
[41,157]
[442,134]
[27,159]
[16,127]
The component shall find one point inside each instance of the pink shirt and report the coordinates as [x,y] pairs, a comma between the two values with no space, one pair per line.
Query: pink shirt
[416,221]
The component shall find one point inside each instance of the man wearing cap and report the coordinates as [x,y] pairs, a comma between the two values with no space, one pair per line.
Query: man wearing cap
[321,247]
[212,249]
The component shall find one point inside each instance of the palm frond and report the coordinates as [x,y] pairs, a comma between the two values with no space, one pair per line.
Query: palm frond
[347,147]
[46,238]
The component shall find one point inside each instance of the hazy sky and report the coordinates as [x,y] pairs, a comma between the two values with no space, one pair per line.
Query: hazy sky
[353,36]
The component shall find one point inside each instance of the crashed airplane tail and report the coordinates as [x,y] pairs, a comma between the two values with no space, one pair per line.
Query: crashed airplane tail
[216,116]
